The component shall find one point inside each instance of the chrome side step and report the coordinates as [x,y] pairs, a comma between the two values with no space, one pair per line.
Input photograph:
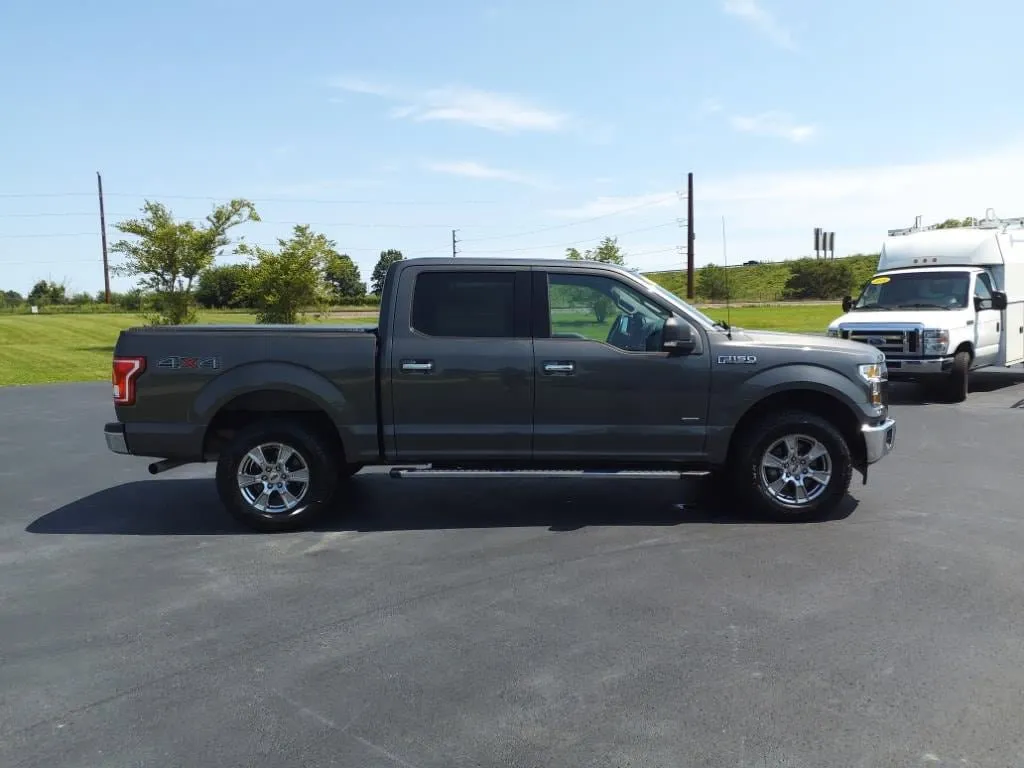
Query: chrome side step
[415,472]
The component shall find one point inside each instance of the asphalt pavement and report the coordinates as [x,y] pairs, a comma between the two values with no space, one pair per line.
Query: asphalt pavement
[524,623]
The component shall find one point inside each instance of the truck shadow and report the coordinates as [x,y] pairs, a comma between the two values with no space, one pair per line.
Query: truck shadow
[187,507]
[984,381]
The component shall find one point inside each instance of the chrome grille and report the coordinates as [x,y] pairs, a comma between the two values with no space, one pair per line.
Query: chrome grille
[888,341]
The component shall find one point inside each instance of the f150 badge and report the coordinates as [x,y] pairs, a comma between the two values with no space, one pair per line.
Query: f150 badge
[177,362]
[737,359]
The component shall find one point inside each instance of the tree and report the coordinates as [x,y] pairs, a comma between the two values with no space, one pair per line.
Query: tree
[343,279]
[11,299]
[818,279]
[713,283]
[169,255]
[969,221]
[380,270]
[46,292]
[607,252]
[280,283]
[222,287]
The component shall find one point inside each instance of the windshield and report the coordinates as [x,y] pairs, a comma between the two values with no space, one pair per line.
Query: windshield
[915,290]
[678,303]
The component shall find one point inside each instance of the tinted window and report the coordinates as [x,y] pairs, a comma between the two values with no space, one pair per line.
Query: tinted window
[466,304]
[604,309]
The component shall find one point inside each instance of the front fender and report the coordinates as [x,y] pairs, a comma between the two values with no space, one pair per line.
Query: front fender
[727,411]
[278,376]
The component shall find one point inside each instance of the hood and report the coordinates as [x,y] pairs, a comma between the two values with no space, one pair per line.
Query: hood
[931,318]
[801,342]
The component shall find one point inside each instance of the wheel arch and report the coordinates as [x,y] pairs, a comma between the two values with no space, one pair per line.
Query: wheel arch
[821,404]
[265,404]
[265,389]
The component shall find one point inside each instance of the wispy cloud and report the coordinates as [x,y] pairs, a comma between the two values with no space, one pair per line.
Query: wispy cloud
[709,107]
[771,215]
[754,14]
[499,112]
[473,170]
[776,124]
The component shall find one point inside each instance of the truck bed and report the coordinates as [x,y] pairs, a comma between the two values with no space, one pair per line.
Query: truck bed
[193,372]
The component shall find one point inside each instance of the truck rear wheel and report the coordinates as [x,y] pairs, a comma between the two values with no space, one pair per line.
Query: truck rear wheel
[277,475]
[792,467]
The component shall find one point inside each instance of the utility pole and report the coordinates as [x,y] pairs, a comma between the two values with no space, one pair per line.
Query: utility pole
[103,236]
[454,241]
[689,236]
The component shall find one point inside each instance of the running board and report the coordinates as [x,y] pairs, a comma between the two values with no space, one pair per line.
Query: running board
[405,472]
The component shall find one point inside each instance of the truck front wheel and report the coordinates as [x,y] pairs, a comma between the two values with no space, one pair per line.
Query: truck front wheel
[277,475]
[792,466]
[956,385]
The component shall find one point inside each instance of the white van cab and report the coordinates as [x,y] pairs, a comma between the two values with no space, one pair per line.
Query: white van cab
[943,302]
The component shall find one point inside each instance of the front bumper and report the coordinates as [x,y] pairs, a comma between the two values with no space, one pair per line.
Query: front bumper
[113,433]
[911,367]
[878,440]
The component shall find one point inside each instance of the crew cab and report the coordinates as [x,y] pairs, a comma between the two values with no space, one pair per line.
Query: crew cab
[501,366]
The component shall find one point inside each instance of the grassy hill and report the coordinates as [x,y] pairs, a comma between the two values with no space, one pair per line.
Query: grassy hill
[760,283]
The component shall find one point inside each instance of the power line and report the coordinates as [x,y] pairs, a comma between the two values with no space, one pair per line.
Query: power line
[197,219]
[570,244]
[52,234]
[316,201]
[576,223]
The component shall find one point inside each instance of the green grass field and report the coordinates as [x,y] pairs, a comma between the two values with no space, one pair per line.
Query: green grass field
[38,349]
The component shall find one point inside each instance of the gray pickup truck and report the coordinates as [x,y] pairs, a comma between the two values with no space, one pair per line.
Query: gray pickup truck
[498,366]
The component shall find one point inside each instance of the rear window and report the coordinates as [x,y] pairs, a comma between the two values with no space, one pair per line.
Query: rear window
[464,304]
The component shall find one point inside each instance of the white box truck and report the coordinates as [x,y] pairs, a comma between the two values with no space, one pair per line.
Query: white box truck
[943,302]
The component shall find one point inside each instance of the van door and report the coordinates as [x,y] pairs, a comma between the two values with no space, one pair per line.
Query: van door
[988,325]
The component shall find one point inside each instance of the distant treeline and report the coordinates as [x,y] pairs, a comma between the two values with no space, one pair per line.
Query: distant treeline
[796,280]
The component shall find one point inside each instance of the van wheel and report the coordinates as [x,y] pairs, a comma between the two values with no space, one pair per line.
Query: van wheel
[956,386]
[277,475]
[792,467]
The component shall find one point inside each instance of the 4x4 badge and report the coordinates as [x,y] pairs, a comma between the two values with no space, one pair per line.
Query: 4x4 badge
[176,362]
[737,359]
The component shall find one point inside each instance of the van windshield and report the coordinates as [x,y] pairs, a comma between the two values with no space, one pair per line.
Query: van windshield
[915,290]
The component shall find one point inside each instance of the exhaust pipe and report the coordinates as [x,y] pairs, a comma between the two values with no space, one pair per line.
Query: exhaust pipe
[165,464]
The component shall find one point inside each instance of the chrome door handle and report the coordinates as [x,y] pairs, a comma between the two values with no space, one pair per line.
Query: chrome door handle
[563,369]
[418,366]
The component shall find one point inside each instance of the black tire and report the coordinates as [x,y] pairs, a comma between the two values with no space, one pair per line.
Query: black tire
[956,386]
[750,485]
[320,456]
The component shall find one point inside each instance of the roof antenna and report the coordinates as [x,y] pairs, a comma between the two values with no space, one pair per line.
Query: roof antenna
[728,288]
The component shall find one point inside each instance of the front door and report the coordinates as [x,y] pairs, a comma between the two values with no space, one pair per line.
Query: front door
[988,325]
[605,391]
[461,365]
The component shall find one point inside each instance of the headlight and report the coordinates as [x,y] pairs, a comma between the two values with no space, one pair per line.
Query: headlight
[935,342]
[834,332]
[874,374]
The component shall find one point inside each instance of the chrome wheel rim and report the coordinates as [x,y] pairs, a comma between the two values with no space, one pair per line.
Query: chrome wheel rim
[795,470]
[273,478]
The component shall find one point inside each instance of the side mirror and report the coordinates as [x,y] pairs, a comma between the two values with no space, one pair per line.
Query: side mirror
[847,303]
[678,336]
[998,300]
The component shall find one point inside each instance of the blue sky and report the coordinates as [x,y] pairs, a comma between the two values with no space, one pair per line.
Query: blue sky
[529,126]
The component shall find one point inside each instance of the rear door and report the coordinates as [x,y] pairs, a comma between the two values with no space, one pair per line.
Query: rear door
[605,391]
[461,364]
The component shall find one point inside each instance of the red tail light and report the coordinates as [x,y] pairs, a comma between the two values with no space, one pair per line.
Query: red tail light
[126,371]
